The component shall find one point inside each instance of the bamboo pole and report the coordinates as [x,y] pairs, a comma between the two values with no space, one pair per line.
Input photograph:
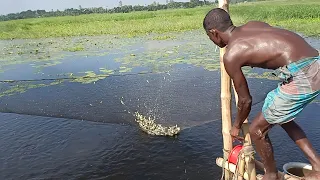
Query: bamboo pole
[226,112]
[241,168]
[225,102]
[251,169]
[249,161]
[242,162]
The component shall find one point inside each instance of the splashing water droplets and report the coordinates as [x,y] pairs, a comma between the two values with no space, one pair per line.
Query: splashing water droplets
[148,125]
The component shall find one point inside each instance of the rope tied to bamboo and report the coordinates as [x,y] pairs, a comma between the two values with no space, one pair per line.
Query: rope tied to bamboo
[246,151]
[226,154]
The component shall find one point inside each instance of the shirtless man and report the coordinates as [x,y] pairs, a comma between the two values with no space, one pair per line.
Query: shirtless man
[295,62]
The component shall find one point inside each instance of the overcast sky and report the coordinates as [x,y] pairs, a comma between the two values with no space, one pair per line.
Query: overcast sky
[13,6]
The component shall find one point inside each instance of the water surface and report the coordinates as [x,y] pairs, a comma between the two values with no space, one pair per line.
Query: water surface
[63,119]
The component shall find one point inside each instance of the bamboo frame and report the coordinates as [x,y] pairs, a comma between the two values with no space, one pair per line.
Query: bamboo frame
[226,111]
[249,161]
[241,168]
[251,169]
[225,102]
[226,115]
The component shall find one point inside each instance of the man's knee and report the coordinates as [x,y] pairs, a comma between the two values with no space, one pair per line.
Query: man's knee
[259,128]
[255,133]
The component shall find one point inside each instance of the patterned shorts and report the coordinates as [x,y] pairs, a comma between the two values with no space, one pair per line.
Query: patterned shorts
[300,85]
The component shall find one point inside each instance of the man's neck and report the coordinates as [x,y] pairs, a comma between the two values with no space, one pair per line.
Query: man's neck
[228,34]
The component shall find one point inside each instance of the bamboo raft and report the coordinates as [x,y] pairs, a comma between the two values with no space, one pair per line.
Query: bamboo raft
[246,165]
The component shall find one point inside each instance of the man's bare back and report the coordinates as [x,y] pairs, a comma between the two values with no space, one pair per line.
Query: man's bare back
[258,44]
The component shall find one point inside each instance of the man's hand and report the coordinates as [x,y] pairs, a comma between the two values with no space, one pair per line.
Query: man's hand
[235,134]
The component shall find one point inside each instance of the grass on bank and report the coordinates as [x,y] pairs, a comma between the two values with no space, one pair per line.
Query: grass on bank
[298,15]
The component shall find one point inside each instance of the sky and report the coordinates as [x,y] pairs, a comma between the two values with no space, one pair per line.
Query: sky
[14,6]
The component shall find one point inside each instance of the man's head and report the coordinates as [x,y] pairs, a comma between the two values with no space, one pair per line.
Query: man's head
[216,22]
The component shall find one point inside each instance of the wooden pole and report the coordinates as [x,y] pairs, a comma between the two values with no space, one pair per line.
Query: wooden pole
[241,168]
[249,161]
[225,102]
[251,169]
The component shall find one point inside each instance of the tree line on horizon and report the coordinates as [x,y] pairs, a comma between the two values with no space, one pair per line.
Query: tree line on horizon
[170,4]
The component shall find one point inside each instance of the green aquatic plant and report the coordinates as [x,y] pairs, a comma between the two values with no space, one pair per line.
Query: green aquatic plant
[24,87]
[52,50]
[89,77]
[164,37]
[125,69]
[47,64]
[106,71]
[75,48]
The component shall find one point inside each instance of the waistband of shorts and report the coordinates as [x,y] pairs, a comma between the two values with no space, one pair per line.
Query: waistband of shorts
[302,63]
[285,73]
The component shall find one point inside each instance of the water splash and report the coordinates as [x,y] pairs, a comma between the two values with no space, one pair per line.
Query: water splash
[149,126]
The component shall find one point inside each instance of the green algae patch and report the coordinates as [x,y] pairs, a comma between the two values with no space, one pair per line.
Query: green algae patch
[125,69]
[164,37]
[24,87]
[75,48]
[51,50]
[106,71]
[89,77]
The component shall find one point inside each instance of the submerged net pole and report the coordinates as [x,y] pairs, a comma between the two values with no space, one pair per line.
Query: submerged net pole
[225,102]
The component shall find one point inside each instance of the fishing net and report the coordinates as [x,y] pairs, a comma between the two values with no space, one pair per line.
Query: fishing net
[163,87]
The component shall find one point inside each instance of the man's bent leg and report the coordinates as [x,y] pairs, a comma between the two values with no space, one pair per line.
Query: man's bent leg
[259,129]
[299,137]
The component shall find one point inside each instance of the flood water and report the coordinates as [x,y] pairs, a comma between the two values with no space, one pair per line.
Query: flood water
[66,121]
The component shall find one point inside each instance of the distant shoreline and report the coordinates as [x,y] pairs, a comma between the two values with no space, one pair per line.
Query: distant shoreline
[302,17]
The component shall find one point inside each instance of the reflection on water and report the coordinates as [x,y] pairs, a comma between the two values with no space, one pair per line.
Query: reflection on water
[176,81]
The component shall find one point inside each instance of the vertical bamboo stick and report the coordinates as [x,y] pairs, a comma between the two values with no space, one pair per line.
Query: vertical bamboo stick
[251,170]
[225,101]
[241,168]
[225,111]
[242,162]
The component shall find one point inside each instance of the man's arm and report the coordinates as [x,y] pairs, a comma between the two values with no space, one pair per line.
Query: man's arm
[233,68]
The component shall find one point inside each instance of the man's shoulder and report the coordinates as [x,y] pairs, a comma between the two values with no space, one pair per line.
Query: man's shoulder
[238,47]
[256,24]
[238,51]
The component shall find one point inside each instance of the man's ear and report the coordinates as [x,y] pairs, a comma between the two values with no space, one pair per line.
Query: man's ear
[212,31]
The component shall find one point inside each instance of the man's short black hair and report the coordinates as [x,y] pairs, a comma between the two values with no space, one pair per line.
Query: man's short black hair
[217,18]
